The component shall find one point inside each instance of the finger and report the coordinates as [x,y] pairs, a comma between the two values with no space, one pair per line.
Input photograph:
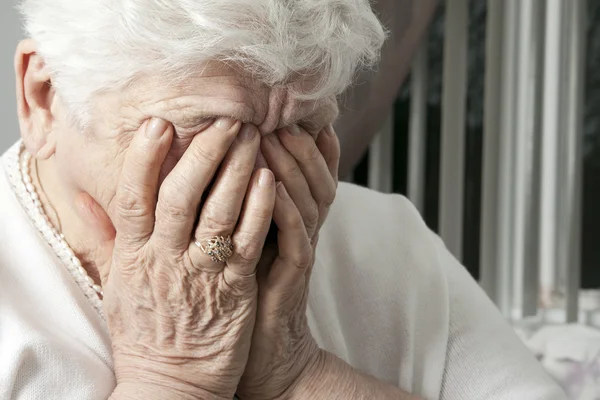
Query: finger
[221,210]
[261,162]
[181,142]
[295,250]
[101,229]
[287,170]
[313,243]
[304,149]
[251,233]
[182,189]
[329,146]
[135,199]
[301,145]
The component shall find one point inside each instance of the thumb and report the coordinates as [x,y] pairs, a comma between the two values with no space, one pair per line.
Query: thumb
[101,228]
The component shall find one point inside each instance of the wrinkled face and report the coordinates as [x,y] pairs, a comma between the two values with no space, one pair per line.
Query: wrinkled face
[91,161]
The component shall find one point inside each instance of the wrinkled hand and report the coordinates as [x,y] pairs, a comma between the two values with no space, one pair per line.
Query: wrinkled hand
[180,323]
[283,350]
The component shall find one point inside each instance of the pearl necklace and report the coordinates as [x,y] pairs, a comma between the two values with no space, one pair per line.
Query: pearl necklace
[47,227]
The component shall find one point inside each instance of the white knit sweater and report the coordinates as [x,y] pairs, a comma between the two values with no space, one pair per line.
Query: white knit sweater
[386,296]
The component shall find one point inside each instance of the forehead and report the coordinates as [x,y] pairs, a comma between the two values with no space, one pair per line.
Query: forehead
[219,90]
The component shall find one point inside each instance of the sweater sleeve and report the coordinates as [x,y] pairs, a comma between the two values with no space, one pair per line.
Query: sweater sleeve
[485,358]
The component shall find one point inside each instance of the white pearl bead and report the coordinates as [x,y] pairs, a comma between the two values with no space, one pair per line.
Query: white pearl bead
[26,179]
[97,288]
[82,271]
[29,187]
[90,281]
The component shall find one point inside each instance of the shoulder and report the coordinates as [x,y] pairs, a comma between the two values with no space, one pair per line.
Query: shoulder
[379,296]
[366,221]
[350,195]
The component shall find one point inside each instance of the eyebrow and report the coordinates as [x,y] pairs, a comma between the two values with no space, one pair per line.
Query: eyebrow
[188,114]
[192,115]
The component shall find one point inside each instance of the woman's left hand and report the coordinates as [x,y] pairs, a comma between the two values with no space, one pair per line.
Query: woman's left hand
[283,348]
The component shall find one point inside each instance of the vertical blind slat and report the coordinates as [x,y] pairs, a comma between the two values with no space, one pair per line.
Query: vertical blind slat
[505,161]
[488,267]
[418,130]
[577,27]
[381,158]
[548,240]
[526,160]
[453,126]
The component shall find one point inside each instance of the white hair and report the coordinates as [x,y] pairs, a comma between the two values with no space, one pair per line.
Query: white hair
[95,45]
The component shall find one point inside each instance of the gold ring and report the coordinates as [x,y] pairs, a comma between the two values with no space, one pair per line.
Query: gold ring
[218,248]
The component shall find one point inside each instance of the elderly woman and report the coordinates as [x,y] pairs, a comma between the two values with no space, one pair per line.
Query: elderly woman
[164,213]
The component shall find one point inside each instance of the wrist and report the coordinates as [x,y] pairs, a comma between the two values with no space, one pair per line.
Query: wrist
[319,379]
[330,378]
[142,391]
[162,380]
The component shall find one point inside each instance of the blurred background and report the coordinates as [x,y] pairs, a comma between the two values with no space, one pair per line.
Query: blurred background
[494,135]
[548,35]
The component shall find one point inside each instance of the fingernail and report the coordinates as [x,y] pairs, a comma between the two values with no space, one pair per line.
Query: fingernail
[265,179]
[247,133]
[282,192]
[330,131]
[156,128]
[294,130]
[225,124]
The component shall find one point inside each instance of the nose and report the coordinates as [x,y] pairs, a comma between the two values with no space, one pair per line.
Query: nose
[284,109]
[275,104]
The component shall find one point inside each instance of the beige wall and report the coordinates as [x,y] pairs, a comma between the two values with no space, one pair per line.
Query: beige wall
[10,33]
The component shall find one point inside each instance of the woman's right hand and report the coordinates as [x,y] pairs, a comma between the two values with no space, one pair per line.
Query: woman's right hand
[181,323]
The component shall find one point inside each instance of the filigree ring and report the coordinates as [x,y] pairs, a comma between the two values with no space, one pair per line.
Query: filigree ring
[218,248]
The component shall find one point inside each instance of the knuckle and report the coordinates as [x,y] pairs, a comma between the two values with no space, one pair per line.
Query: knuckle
[311,216]
[174,190]
[311,153]
[329,197]
[262,214]
[169,209]
[297,220]
[220,221]
[128,204]
[292,170]
[294,220]
[204,155]
[248,249]
[304,259]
